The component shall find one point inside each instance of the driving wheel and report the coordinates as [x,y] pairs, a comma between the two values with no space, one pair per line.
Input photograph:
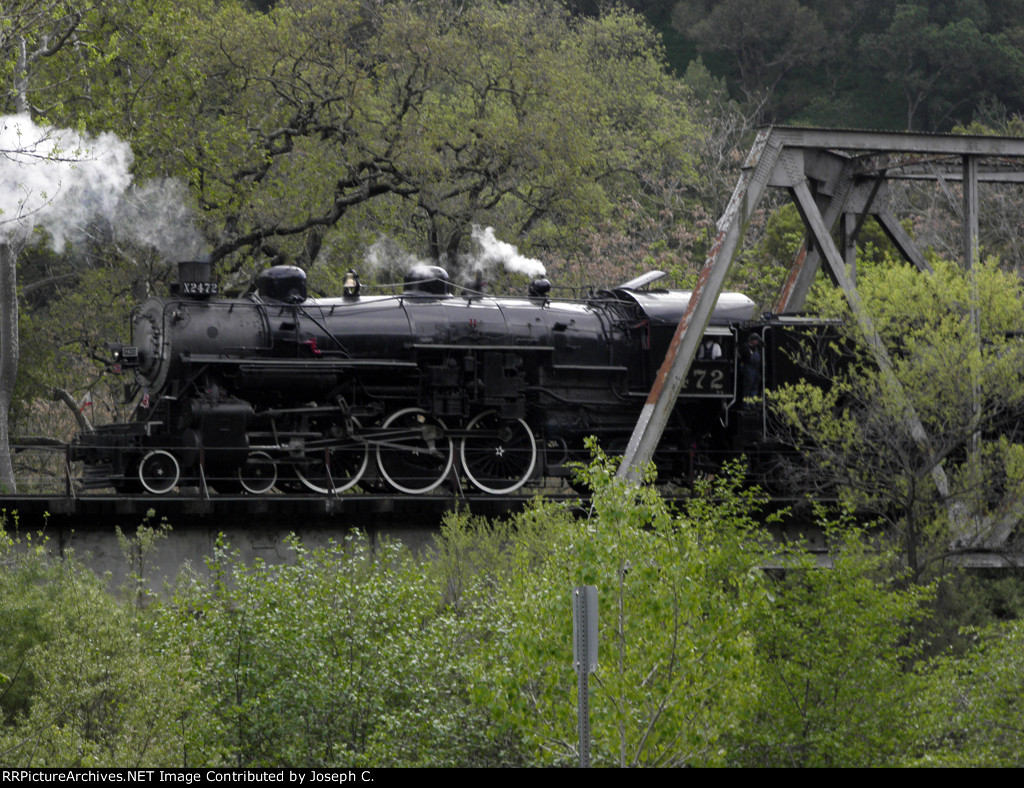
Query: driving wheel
[415,454]
[500,454]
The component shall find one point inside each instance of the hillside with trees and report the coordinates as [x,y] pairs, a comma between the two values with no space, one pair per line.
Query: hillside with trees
[923,66]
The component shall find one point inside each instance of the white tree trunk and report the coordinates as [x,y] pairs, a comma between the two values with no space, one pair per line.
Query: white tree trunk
[21,77]
[8,359]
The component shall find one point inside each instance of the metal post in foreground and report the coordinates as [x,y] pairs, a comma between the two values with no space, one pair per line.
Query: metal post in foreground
[584,658]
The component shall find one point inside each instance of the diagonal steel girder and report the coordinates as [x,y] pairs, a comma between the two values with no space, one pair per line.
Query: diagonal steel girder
[818,229]
[848,198]
[757,170]
[808,258]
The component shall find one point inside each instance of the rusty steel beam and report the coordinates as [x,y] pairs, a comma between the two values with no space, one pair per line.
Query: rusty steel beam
[662,397]
[808,259]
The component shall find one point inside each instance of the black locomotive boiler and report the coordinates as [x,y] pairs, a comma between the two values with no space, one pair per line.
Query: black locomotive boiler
[276,390]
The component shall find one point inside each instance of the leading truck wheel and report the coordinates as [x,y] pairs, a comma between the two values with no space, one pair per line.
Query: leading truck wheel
[415,454]
[500,455]
[159,472]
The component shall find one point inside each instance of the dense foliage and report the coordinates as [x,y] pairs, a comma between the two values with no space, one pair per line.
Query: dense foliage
[81,682]
[896,64]
[928,440]
[352,654]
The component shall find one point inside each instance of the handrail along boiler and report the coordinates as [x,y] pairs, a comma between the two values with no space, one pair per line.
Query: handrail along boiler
[276,390]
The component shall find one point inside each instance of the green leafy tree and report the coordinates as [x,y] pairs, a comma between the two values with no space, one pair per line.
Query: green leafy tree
[834,647]
[860,63]
[958,374]
[32,36]
[419,120]
[36,33]
[676,596]
[80,684]
[667,222]
[767,38]
[941,58]
[976,703]
[342,657]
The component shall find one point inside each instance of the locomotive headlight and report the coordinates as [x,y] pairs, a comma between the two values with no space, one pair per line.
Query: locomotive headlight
[350,287]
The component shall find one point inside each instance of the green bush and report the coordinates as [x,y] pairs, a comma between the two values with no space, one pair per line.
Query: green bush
[676,595]
[343,656]
[836,649]
[80,683]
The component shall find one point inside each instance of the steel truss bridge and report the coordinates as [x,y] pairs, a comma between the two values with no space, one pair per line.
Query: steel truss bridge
[837,178]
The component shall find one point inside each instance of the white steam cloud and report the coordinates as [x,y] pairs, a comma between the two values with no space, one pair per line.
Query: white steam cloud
[56,178]
[387,259]
[156,213]
[62,180]
[494,252]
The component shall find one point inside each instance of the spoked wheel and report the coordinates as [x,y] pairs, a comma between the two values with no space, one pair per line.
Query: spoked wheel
[159,472]
[500,456]
[334,469]
[417,456]
[258,474]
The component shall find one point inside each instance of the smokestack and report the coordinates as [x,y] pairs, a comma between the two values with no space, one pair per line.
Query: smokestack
[195,280]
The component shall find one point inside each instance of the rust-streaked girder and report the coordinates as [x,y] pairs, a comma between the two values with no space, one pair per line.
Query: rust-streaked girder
[654,415]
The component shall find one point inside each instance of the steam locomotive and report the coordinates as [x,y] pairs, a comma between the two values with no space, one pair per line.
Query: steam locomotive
[405,392]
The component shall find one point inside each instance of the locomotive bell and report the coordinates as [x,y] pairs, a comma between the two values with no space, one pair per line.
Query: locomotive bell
[282,283]
[350,287]
[426,280]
